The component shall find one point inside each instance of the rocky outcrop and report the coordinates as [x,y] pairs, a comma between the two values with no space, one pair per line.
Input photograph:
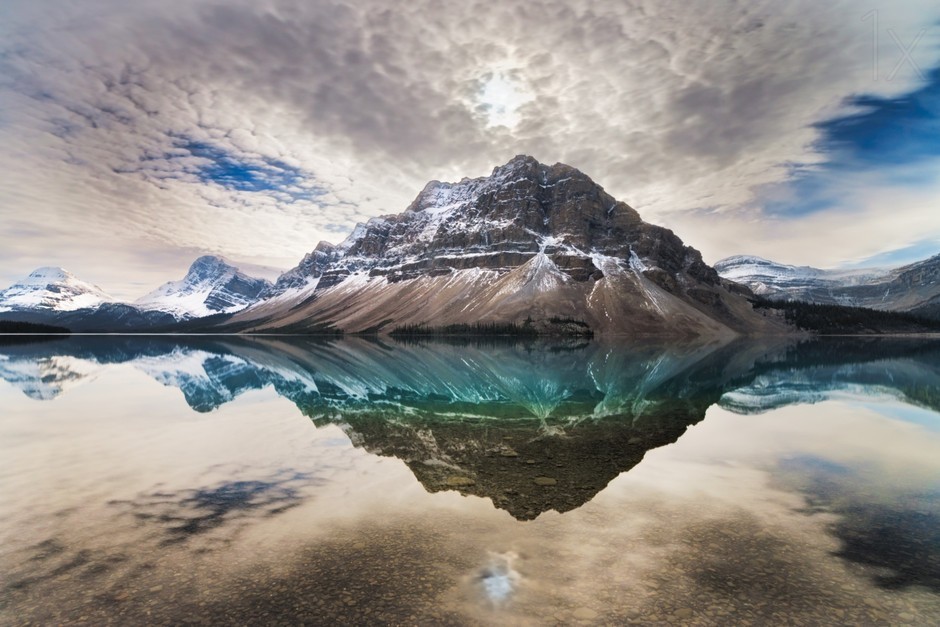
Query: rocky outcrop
[309,269]
[501,221]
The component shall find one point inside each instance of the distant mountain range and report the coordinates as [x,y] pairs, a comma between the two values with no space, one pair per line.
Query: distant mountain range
[56,296]
[913,288]
[532,248]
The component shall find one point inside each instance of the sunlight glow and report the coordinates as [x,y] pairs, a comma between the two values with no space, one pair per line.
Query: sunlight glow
[500,99]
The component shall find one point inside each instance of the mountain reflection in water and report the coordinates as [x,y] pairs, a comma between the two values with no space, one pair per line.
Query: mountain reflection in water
[531,426]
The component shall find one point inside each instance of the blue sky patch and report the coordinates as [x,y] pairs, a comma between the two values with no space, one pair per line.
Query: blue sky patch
[216,165]
[901,256]
[886,138]
[886,131]
[904,412]
[259,174]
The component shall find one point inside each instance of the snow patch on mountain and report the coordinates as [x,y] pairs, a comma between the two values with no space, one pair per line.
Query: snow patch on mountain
[358,231]
[542,275]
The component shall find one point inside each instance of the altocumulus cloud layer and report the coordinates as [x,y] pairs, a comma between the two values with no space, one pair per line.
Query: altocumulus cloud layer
[134,136]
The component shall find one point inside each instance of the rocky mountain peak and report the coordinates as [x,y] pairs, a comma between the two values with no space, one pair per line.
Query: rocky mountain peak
[521,170]
[522,208]
[516,163]
[208,267]
[529,242]
[211,285]
[525,166]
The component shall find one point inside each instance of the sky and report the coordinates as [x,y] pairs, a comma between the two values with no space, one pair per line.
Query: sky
[136,136]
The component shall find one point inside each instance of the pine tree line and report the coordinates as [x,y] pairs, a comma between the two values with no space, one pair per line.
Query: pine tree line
[476,329]
[838,319]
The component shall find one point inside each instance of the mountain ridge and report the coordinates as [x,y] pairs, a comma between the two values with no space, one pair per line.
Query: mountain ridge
[912,288]
[52,288]
[52,295]
[535,247]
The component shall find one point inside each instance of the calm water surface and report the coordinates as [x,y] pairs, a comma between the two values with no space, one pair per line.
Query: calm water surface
[250,481]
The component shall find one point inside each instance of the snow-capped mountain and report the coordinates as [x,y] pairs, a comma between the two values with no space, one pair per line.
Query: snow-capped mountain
[55,296]
[531,244]
[210,286]
[52,289]
[914,287]
[769,277]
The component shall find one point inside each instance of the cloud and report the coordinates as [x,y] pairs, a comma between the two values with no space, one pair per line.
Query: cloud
[256,129]
[871,200]
[867,216]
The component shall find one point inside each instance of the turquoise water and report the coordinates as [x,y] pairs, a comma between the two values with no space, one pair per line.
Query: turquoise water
[282,480]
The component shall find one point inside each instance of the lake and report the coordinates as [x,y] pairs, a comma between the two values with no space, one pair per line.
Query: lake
[247,480]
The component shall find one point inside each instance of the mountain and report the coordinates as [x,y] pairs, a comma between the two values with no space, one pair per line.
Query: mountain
[306,274]
[210,286]
[914,287]
[929,309]
[54,296]
[53,290]
[532,245]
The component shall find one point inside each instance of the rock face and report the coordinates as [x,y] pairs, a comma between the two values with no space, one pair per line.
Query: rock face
[531,244]
[210,286]
[914,287]
[306,274]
